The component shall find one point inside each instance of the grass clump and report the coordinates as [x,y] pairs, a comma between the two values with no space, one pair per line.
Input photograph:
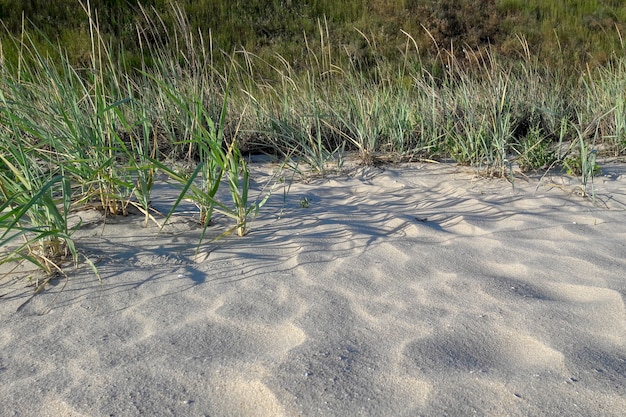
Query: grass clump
[75,138]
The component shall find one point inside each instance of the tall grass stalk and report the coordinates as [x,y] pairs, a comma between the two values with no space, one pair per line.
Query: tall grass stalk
[605,93]
[581,158]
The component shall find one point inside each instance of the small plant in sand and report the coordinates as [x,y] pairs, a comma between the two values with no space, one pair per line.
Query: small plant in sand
[30,190]
[218,161]
[140,153]
[582,161]
[304,202]
[534,150]
[35,204]
[33,227]
[583,165]
[202,184]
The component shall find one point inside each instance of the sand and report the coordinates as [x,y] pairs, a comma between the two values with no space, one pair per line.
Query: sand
[411,290]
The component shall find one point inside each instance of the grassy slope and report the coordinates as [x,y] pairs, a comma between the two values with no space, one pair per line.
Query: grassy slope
[581,30]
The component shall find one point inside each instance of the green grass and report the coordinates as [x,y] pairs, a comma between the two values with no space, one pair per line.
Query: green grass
[96,133]
[580,30]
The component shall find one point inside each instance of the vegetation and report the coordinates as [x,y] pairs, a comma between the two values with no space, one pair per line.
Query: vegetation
[580,31]
[87,120]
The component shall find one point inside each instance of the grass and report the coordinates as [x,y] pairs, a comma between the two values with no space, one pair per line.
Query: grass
[581,30]
[97,135]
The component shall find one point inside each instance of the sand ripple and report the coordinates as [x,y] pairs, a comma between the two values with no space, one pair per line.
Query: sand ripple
[419,290]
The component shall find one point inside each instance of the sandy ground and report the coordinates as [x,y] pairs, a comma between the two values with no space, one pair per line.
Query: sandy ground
[416,290]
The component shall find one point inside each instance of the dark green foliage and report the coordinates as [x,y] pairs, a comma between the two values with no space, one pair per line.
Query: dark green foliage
[534,150]
[462,22]
[577,31]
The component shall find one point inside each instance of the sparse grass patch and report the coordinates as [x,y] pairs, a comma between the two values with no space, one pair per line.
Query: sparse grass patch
[534,150]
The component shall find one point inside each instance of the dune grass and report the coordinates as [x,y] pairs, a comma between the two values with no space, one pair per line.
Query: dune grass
[97,135]
[580,30]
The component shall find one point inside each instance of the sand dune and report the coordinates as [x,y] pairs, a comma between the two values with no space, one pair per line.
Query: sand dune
[417,290]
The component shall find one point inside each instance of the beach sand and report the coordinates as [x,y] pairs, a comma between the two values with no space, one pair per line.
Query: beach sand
[409,290]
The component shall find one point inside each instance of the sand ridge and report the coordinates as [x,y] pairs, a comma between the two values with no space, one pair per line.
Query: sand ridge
[416,290]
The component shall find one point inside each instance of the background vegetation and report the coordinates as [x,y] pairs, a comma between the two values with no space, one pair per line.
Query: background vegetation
[567,33]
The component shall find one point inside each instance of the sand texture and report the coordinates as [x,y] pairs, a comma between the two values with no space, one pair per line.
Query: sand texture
[412,290]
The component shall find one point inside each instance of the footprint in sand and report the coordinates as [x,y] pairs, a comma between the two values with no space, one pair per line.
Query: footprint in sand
[242,393]
[474,347]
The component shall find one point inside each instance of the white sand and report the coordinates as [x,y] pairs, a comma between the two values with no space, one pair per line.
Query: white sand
[417,290]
